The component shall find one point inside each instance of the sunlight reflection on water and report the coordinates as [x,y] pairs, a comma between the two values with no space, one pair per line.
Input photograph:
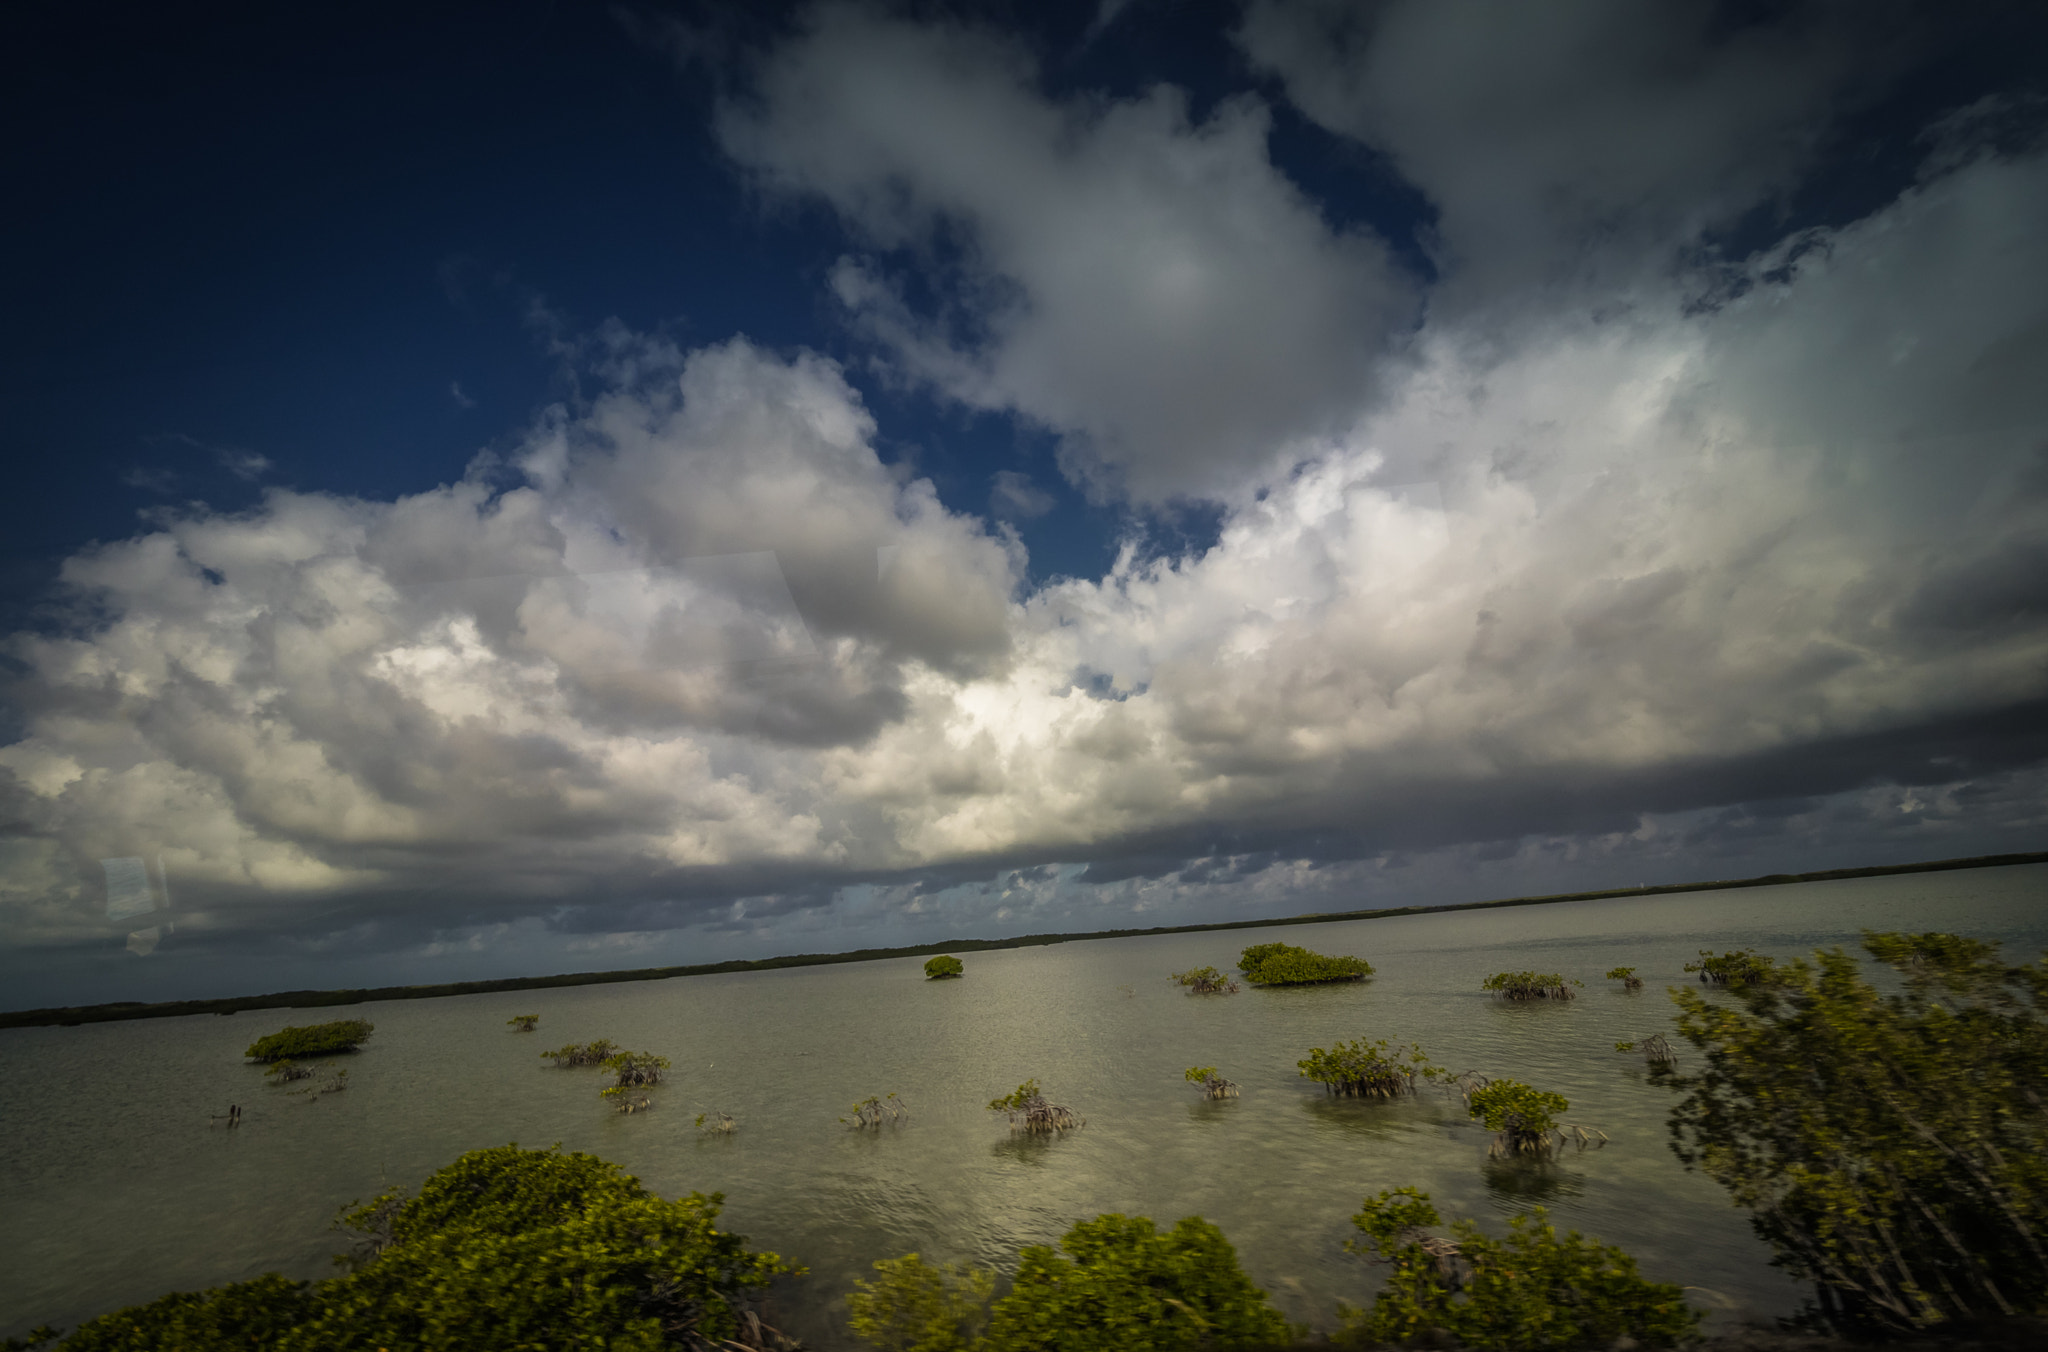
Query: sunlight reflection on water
[117,1189]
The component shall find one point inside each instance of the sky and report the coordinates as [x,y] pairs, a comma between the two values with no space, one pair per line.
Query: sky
[526,487]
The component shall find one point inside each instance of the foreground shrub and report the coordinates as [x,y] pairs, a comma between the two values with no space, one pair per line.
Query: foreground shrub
[1532,1290]
[1286,965]
[504,1248]
[937,969]
[1361,1069]
[1531,986]
[1124,1287]
[915,1306]
[1894,1148]
[320,1039]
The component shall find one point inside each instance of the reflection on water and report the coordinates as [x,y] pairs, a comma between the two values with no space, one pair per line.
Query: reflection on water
[128,1192]
[1520,1181]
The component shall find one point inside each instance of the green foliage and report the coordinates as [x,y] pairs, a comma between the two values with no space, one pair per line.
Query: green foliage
[320,1039]
[1206,981]
[504,1248]
[1742,967]
[1124,1287]
[939,968]
[523,1022]
[1029,1104]
[1286,965]
[1213,1085]
[1626,976]
[1364,1069]
[1522,1119]
[35,1338]
[635,1069]
[1894,1148]
[915,1306]
[1530,986]
[1532,1290]
[588,1054]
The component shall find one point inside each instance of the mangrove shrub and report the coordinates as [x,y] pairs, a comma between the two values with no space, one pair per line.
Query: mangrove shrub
[1742,967]
[1361,1069]
[587,1054]
[937,969]
[1206,981]
[1530,986]
[523,1023]
[1124,1287]
[875,1112]
[1286,965]
[504,1248]
[1892,1147]
[1532,1290]
[320,1039]
[1211,1084]
[915,1306]
[1028,1110]
[1521,1119]
[1626,976]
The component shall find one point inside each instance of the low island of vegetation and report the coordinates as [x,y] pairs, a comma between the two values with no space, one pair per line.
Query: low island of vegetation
[942,967]
[1287,965]
[523,1023]
[1742,967]
[1209,1082]
[320,1039]
[1531,986]
[1626,976]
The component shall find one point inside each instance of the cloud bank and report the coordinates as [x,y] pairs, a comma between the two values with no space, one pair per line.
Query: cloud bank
[1694,539]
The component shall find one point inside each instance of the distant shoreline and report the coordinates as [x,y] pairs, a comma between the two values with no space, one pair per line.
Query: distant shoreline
[73,1015]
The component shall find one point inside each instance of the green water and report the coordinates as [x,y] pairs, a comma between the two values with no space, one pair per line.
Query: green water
[115,1188]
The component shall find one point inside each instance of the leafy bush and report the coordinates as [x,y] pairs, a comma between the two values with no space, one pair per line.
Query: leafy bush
[1206,981]
[1742,967]
[1213,1085]
[1028,1110]
[505,1247]
[1530,986]
[523,1023]
[320,1039]
[1894,1148]
[915,1306]
[1529,1291]
[1626,976]
[1124,1287]
[589,1054]
[1522,1119]
[939,968]
[1286,965]
[1368,1070]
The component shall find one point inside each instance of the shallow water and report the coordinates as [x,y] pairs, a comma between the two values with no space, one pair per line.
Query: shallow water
[115,1188]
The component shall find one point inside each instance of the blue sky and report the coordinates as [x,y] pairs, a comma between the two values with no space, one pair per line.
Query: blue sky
[534,486]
